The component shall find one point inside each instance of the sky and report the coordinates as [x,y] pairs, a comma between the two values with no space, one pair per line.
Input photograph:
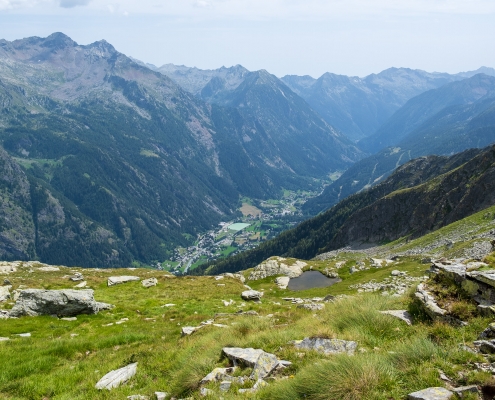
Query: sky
[285,37]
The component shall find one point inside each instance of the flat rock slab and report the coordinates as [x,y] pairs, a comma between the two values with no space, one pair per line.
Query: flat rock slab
[247,356]
[49,269]
[251,295]
[433,393]
[401,314]
[487,277]
[115,378]
[312,306]
[327,346]
[116,280]
[147,283]
[65,303]
[282,282]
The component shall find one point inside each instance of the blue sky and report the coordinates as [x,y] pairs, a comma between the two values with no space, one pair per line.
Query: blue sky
[351,37]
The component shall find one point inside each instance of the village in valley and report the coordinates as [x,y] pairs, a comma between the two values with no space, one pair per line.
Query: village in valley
[261,220]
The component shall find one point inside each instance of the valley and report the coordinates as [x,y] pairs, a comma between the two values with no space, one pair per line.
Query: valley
[261,220]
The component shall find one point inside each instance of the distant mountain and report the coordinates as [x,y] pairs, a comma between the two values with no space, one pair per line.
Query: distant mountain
[120,164]
[286,122]
[419,109]
[452,129]
[359,106]
[419,197]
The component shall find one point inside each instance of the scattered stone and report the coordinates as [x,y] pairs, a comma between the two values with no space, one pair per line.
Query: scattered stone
[217,278]
[4,314]
[247,356]
[225,386]
[81,285]
[235,276]
[259,384]
[327,346]
[69,319]
[147,283]
[189,330]
[433,393]
[489,332]
[28,334]
[228,303]
[312,306]
[353,269]
[161,395]
[168,305]
[114,378]
[396,272]
[67,302]
[4,339]
[77,277]
[5,293]
[401,314]
[206,392]
[252,295]
[137,397]
[49,269]
[282,282]
[122,321]
[116,280]
[218,374]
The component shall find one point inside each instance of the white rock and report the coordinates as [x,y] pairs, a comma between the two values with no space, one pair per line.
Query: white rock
[147,283]
[433,393]
[81,285]
[114,378]
[401,314]
[251,295]
[5,292]
[3,339]
[282,282]
[49,269]
[115,280]
[161,395]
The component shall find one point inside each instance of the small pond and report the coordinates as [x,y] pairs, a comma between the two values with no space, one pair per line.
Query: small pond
[311,280]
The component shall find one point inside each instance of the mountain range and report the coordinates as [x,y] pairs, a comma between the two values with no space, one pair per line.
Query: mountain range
[121,164]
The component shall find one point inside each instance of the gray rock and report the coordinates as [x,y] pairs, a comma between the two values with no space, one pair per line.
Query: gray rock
[353,269]
[104,306]
[7,282]
[487,277]
[4,314]
[189,330]
[461,391]
[225,386]
[81,285]
[248,356]
[276,266]
[77,277]
[115,378]
[49,269]
[137,397]
[401,314]
[252,295]
[218,374]
[486,346]
[206,392]
[282,282]
[327,346]
[431,307]
[433,393]
[149,282]
[259,384]
[264,366]
[5,292]
[161,395]
[489,332]
[67,303]
[312,306]
[116,280]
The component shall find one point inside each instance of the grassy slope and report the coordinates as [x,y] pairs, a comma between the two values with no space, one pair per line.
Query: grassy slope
[395,359]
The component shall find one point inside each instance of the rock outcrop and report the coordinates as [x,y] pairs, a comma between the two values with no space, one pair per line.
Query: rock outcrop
[276,266]
[67,303]
[252,295]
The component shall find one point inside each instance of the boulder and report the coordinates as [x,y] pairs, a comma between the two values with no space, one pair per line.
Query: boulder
[147,283]
[252,295]
[115,378]
[248,356]
[116,280]
[275,266]
[401,314]
[327,346]
[5,292]
[66,303]
[77,277]
[433,393]
[312,306]
[264,366]
[282,282]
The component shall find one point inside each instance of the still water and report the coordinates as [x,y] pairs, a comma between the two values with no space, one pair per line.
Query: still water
[310,280]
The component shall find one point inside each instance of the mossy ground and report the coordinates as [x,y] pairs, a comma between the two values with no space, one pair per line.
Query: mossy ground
[393,359]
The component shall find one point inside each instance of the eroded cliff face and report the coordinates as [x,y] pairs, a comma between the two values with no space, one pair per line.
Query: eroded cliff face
[420,209]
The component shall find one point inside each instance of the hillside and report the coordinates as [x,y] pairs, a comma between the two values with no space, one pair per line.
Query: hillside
[422,195]
[88,126]
[163,322]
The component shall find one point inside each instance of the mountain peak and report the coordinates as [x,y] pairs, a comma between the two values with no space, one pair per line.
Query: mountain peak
[102,45]
[58,40]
